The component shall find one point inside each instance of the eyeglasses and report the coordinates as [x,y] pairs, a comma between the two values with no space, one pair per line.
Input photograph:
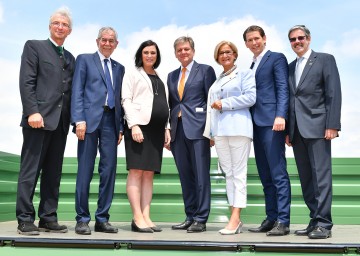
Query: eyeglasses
[227,53]
[104,41]
[60,24]
[300,38]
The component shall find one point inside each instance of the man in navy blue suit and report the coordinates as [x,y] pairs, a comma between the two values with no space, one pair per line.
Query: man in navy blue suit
[269,116]
[188,93]
[97,117]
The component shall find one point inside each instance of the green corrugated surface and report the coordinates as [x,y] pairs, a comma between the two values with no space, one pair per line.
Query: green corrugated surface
[167,203]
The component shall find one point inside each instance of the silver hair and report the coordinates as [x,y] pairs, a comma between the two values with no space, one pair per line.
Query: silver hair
[301,27]
[103,29]
[184,39]
[62,11]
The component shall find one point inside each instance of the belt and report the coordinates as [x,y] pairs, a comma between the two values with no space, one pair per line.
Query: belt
[107,109]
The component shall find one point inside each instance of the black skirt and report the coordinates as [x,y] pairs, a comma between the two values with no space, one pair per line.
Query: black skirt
[148,154]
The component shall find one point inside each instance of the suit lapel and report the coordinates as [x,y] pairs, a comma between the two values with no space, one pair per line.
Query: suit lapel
[228,78]
[307,67]
[115,73]
[99,66]
[292,82]
[192,75]
[146,77]
[262,62]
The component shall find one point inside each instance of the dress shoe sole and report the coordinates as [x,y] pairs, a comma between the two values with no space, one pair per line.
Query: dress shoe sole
[83,232]
[320,237]
[181,228]
[278,234]
[29,233]
[260,231]
[106,231]
[196,231]
[301,234]
[53,230]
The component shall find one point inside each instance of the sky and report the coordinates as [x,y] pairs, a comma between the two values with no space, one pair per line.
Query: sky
[334,27]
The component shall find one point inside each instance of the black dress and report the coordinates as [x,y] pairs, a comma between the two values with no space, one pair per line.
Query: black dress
[148,154]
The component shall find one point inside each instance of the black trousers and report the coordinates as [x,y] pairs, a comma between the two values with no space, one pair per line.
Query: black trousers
[42,155]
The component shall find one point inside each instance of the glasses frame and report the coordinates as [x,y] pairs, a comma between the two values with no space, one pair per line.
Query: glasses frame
[299,38]
[59,24]
[226,53]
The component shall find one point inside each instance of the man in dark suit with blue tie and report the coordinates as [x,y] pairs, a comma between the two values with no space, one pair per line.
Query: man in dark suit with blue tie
[45,87]
[314,120]
[188,93]
[269,115]
[97,117]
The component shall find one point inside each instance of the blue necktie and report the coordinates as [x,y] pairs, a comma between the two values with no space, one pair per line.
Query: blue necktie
[111,100]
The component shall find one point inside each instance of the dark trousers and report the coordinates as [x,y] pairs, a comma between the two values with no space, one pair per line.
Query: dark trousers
[269,148]
[192,158]
[104,138]
[42,154]
[313,161]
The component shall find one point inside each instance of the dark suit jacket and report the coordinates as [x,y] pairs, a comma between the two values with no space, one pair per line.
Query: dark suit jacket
[193,103]
[45,84]
[89,92]
[272,92]
[316,102]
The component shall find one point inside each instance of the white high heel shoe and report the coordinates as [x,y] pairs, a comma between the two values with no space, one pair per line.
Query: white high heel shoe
[225,231]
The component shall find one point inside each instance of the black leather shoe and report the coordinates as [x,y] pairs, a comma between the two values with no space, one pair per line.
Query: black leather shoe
[279,229]
[52,227]
[265,226]
[82,228]
[156,229]
[197,227]
[135,228]
[182,226]
[304,232]
[28,229]
[319,233]
[105,227]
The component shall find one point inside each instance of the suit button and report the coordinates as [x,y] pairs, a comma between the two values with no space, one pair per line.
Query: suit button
[59,106]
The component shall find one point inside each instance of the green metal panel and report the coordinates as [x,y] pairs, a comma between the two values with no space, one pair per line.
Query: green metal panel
[167,204]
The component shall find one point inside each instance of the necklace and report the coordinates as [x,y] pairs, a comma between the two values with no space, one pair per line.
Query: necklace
[156,86]
[154,83]
[228,72]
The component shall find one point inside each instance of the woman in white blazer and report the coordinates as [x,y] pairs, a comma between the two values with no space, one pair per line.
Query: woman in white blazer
[145,103]
[229,126]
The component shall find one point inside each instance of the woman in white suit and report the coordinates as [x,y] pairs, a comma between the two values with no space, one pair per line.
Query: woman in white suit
[229,126]
[145,103]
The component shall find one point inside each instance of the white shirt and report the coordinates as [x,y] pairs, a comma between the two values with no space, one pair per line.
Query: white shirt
[258,59]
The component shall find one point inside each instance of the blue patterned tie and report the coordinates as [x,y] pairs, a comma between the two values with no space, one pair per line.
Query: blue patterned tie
[111,100]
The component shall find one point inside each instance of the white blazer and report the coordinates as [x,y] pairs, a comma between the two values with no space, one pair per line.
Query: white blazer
[237,92]
[137,97]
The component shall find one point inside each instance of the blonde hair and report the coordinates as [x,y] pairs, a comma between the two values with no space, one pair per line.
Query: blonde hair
[219,45]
